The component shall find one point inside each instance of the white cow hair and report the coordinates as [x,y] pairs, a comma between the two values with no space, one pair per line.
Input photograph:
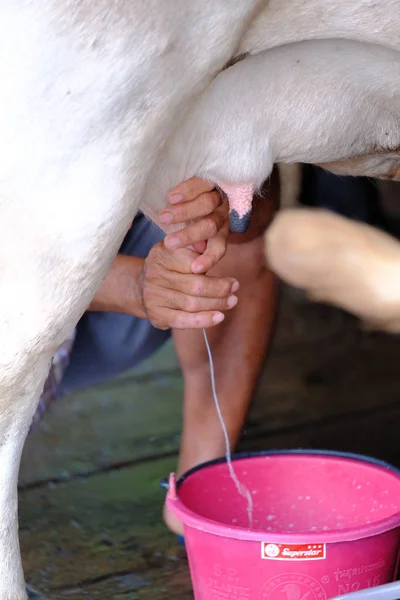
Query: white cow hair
[250,118]
[92,95]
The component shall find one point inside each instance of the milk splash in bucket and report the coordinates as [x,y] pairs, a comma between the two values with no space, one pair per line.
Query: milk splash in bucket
[241,488]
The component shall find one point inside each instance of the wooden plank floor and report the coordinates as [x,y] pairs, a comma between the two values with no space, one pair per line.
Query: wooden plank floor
[90,501]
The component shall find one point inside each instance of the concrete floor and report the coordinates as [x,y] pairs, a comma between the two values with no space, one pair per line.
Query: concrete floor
[90,501]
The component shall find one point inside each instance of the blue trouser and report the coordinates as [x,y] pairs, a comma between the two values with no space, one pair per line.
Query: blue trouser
[106,343]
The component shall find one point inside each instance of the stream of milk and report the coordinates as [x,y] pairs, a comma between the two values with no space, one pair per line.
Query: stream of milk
[241,488]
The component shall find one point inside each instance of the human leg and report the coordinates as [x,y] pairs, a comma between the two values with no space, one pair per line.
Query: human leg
[239,346]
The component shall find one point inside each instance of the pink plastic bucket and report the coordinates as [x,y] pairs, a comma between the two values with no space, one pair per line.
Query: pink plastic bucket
[324,524]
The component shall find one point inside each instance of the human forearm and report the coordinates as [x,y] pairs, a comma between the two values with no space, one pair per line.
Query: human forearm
[121,290]
[170,286]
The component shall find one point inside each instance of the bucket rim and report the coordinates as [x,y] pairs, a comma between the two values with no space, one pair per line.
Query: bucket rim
[192,519]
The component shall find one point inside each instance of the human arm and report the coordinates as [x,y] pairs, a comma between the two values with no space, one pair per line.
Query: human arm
[166,287]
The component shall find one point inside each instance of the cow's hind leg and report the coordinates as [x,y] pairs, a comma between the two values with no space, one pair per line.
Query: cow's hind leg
[49,271]
[30,332]
[21,382]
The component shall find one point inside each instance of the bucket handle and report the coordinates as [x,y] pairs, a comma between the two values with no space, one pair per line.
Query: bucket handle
[169,485]
[164,483]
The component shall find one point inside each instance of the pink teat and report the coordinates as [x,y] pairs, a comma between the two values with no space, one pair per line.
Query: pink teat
[240,197]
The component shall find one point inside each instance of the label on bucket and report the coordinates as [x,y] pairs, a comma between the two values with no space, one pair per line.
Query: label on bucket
[270,551]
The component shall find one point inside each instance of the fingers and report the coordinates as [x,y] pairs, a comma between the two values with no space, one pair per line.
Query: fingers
[173,271]
[197,203]
[176,300]
[161,261]
[201,230]
[174,309]
[200,247]
[182,320]
[175,297]
[215,251]
[185,211]
[200,285]
[189,190]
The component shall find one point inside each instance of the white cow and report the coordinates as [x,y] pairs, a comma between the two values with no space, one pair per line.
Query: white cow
[92,96]
[249,118]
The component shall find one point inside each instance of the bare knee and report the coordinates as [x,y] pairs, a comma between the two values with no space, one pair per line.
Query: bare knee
[335,260]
